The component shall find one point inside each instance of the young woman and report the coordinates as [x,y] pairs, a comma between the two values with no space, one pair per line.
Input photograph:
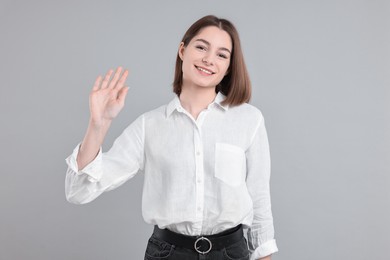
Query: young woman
[205,155]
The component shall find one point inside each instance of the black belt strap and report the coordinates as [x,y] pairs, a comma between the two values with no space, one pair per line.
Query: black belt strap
[201,244]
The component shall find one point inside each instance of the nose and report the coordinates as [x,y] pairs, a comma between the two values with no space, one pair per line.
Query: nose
[207,60]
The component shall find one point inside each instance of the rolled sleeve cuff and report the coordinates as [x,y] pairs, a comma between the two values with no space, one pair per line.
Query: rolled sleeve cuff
[93,169]
[264,250]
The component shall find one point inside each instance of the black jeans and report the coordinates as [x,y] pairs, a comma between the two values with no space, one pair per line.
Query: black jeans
[160,250]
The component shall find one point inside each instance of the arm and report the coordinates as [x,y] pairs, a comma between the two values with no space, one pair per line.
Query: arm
[85,179]
[261,240]
[108,170]
[91,143]
[106,100]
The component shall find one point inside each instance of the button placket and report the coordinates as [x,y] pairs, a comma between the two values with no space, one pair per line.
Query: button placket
[199,171]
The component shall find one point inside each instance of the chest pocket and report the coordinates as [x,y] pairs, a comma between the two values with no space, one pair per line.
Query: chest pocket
[230,164]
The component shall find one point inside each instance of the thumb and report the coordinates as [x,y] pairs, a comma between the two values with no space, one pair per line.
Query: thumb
[122,94]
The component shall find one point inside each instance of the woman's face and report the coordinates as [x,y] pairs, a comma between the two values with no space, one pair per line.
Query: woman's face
[206,58]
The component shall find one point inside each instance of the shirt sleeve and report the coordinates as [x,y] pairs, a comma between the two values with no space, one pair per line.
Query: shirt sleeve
[108,170]
[260,234]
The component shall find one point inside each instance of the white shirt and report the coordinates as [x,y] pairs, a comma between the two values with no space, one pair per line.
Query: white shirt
[202,176]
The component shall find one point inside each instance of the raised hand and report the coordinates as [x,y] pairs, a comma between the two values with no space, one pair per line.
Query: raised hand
[107,97]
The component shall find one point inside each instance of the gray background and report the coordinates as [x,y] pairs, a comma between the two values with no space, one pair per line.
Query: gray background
[320,73]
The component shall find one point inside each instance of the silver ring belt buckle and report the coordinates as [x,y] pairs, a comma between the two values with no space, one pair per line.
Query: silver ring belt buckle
[198,247]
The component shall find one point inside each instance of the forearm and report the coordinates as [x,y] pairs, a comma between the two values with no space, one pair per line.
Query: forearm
[265,258]
[92,142]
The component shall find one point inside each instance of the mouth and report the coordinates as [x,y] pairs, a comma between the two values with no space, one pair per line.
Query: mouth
[204,70]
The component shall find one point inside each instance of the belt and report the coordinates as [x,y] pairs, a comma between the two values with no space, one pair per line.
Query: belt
[201,244]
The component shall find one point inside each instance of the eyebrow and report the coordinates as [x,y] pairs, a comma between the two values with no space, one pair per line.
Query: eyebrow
[207,43]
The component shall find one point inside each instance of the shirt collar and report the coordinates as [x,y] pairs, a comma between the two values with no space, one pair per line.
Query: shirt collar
[176,105]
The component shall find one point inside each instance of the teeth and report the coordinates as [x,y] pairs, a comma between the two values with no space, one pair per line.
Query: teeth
[206,71]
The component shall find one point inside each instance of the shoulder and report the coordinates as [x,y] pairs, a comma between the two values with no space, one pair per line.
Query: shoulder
[247,111]
[158,114]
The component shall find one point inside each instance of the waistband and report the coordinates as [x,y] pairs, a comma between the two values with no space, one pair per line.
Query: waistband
[201,244]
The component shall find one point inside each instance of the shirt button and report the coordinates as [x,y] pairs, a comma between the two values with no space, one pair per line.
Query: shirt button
[199,209]
[199,181]
[198,153]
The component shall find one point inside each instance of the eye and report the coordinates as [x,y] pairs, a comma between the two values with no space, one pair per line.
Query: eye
[222,56]
[200,47]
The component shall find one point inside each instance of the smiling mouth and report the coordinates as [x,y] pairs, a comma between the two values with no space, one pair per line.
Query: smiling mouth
[205,70]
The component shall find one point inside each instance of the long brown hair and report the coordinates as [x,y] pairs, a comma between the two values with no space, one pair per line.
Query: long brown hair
[236,85]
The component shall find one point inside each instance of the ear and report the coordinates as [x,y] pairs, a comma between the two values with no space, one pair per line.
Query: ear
[181,50]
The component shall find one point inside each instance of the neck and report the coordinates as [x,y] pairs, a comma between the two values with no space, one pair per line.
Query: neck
[194,100]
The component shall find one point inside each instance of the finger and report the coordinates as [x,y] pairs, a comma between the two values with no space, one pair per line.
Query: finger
[122,94]
[97,83]
[122,80]
[115,78]
[106,79]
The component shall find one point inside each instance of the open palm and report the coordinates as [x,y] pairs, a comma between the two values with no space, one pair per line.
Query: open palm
[107,98]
